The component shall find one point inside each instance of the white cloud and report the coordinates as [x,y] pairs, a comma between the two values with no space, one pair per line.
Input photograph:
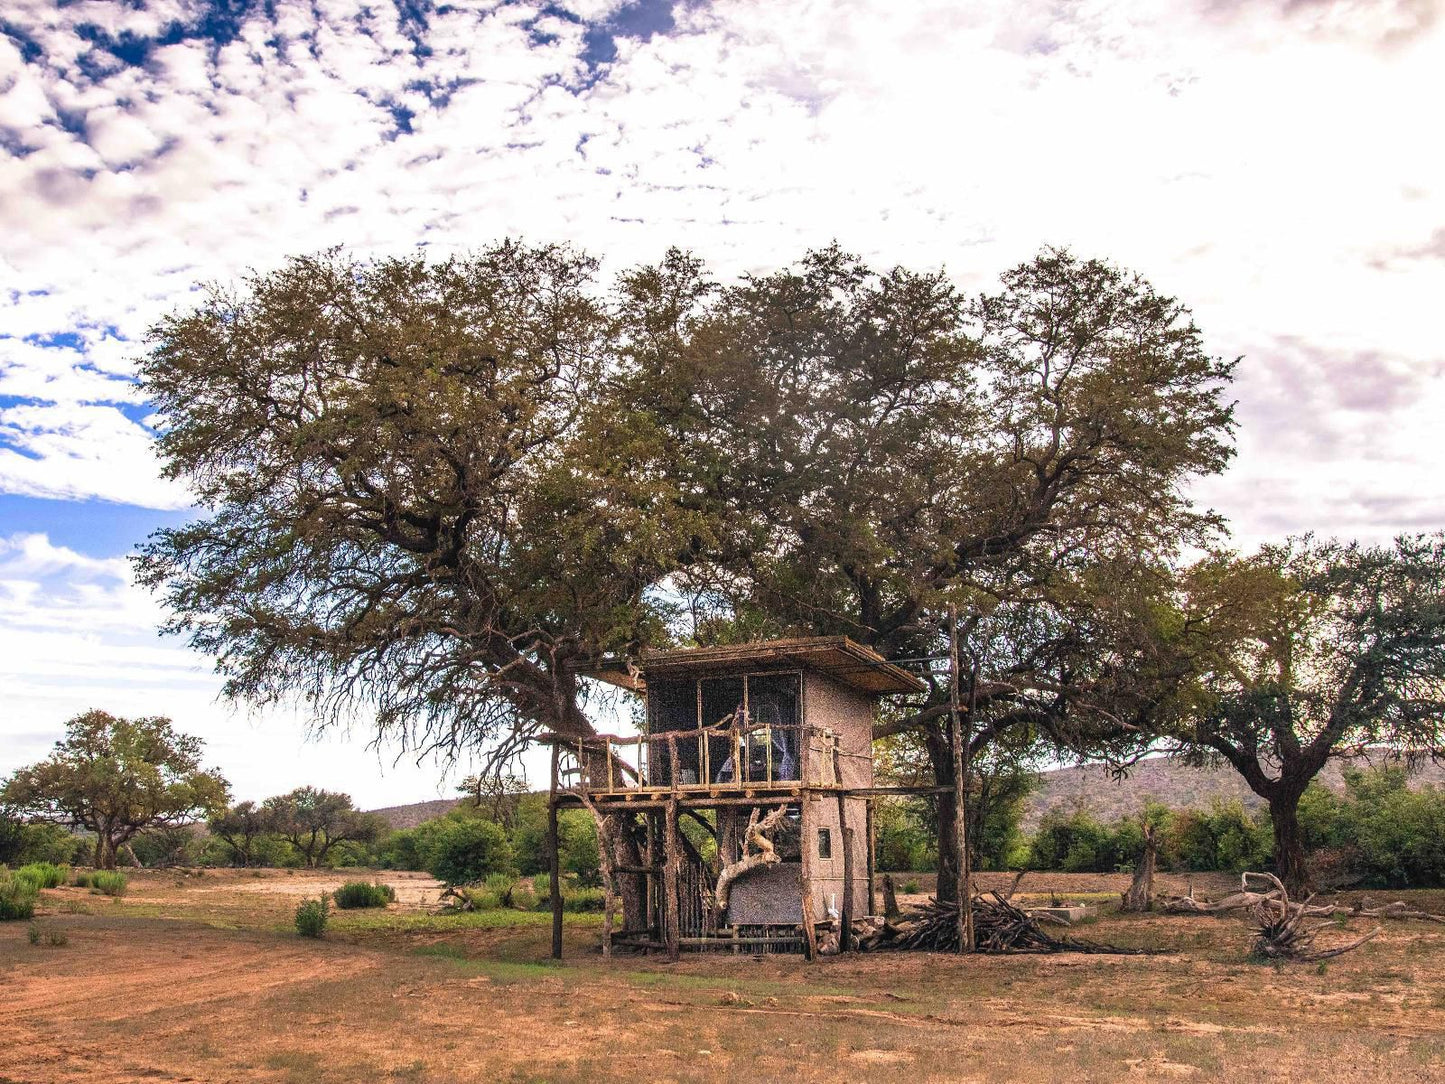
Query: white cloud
[76,634]
[1274,164]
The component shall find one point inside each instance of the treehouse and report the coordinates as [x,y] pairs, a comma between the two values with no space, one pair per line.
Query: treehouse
[746,798]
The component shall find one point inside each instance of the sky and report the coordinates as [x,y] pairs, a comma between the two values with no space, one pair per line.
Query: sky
[1276,164]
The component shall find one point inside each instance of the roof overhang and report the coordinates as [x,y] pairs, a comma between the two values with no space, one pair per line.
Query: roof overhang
[836,657]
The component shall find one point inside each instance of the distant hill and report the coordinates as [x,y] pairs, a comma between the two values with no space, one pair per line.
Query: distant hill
[1162,778]
[409,816]
[1169,781]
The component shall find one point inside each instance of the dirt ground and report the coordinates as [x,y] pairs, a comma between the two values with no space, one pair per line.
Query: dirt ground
[200,978]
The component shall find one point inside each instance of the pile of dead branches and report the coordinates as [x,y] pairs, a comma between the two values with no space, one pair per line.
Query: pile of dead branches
[998,927]
[1282,933]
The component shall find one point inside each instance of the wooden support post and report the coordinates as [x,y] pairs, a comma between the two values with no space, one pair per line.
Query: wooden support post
[671,874]
[960,791]
[809,848]
[872,861]
[555,861]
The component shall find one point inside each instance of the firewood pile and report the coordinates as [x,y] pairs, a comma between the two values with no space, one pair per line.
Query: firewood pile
[999,927]
[1282,933]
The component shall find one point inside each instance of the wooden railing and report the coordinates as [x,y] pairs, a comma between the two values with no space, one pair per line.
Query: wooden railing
[722,757]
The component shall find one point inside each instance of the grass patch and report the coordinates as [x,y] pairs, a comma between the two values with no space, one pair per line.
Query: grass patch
[43,874]
[17,898]
[102,882]
[49,936]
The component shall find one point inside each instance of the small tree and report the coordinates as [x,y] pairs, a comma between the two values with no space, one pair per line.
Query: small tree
[118,777]
[241,826]
[314,821]
[1310,652]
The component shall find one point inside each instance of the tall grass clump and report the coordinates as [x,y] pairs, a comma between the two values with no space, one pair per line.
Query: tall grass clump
[17,897]
[107,882]
[360,894]
[311,918]
[44,874]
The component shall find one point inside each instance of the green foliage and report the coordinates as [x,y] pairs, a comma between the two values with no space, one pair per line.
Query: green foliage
[44,874]
[1075,843]
[355,894]
[903,833]
[465,850]
[1395,836]
[576,840]
[42,842]
[163,848]
[107,882]
[17,897]
[242,827]
[117,777]
[1225,837]
[311,917]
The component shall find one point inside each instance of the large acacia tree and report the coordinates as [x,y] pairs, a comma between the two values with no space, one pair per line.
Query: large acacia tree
[416,504]
[409,502]
[874,446]
[1308,652]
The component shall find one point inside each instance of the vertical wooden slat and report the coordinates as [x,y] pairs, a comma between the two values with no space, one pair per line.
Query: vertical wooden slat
[810,844]
[872,861]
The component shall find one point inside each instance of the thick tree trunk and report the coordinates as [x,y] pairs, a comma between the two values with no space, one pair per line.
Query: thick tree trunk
[1289,851]
[105,850]
[940,756]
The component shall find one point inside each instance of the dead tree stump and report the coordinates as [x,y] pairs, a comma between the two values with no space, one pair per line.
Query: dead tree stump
[1140,895]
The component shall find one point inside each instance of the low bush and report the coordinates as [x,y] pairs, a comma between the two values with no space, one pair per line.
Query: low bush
[360,894]
[80,879]
[44,874]
[17,898]
[311,918]
[107,882]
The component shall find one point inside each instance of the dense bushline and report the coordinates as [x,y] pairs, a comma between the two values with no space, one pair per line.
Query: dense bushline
[1379,833]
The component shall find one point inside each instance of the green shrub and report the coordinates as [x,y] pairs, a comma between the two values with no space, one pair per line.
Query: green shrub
[17,898]
[107,882]
[44,874]
[360,894]
[463,851]
[911,887]
[311,918]
[80,879]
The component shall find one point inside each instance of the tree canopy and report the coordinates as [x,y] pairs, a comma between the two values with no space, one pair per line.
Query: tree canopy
[118,777]
[314,821]
[411,502]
